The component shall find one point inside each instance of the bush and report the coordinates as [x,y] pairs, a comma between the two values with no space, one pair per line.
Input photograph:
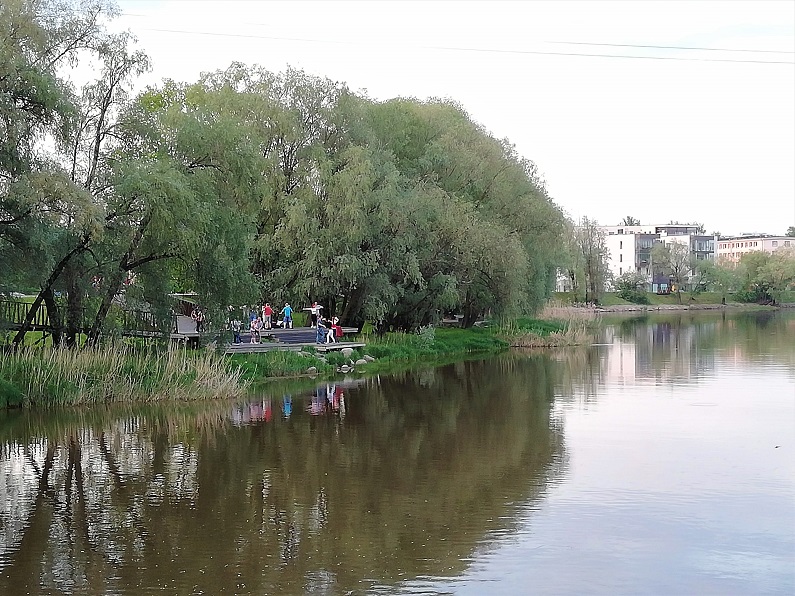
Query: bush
[631,286]
[10,395]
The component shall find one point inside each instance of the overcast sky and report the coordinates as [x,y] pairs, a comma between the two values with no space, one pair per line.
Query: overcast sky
[684,134]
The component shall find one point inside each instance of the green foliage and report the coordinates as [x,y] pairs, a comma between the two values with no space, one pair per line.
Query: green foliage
[765,278]
[58,376]
[631,286]
[258,367]
[249,184]
[10,395]
[586,260]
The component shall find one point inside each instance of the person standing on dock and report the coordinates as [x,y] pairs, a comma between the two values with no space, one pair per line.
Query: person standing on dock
[254,330]
[287,311]
[235,325]
[267,319]
[321,331]
[314,313]
[331,334]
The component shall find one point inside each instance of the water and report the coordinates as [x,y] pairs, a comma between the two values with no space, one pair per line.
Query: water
[659,460]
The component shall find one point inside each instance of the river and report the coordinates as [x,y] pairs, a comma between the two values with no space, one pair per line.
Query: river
[660,460]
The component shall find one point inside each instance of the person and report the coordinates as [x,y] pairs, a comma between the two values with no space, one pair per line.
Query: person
[337,329]
[314,312]
[332,332]
[254,331]
[321,331]
[268,312]
[287,311]
[235,325]
[198,315]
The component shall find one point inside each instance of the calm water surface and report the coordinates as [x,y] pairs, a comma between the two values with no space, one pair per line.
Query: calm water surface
[660,460]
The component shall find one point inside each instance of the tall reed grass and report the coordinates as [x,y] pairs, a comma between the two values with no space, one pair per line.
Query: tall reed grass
[48,376]
[549,332]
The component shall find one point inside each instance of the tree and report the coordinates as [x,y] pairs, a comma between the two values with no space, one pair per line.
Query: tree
[764,277]
[791,232]
[674,260]
[629,221]
[711,276]
[46,219]
[591,245]
[631,286]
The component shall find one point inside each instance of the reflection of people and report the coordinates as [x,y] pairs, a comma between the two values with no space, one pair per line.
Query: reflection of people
[287,405]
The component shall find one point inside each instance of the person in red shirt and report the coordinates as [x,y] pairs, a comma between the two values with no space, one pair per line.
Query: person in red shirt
[267,315]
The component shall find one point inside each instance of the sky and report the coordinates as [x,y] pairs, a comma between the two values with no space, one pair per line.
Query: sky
[700,129]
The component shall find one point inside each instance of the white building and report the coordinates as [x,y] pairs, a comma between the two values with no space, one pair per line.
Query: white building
[731,249]
[630,246]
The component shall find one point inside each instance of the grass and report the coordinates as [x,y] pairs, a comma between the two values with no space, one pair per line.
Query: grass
[47,376]
[261,366]
[559,329]
[612,299]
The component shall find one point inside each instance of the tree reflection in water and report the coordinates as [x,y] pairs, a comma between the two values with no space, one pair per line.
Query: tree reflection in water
[400,477]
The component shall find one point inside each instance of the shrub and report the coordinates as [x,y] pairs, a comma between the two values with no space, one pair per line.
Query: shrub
[631,286]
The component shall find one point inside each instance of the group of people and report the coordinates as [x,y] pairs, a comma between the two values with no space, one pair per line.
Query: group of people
[259,321]
[327,330]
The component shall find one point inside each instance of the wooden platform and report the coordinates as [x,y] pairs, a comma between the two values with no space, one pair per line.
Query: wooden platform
[249,348]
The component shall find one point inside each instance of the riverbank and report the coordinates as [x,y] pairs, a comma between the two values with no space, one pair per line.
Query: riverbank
[41,377]
[564,310]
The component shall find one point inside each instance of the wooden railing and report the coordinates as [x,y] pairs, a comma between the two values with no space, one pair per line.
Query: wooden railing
[133,322]
[13,313]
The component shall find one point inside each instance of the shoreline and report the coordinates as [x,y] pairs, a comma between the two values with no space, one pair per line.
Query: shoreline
[619,308]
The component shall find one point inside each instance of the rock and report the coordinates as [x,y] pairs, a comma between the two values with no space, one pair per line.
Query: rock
[361,361]
[368,358]
[347,352]
[312,370]
[344,368]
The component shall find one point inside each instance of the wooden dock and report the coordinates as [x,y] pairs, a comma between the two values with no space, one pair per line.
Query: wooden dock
[249,348]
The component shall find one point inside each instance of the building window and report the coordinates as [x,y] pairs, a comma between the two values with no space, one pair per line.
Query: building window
[620,258]
[620,244]
[786,243]
[621,231]
[775,243]
[620,270]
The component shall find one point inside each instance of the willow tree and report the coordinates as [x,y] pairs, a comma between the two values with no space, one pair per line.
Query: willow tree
[46,219]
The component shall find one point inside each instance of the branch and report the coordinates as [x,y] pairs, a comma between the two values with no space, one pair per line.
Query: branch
[153,257]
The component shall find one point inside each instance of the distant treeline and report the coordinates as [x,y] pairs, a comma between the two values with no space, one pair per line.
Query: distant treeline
[249,185]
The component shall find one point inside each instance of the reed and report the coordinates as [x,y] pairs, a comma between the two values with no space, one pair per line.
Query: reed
[47,376]
[545,333]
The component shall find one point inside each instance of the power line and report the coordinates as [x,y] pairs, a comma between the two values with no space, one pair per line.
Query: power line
[497,51]
[630,45]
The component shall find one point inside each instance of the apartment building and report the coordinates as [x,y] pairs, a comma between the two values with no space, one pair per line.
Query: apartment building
[630,246]
[731,248]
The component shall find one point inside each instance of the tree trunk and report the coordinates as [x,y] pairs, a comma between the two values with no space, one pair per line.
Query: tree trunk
[116,280]
[56,272]
[54,316]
